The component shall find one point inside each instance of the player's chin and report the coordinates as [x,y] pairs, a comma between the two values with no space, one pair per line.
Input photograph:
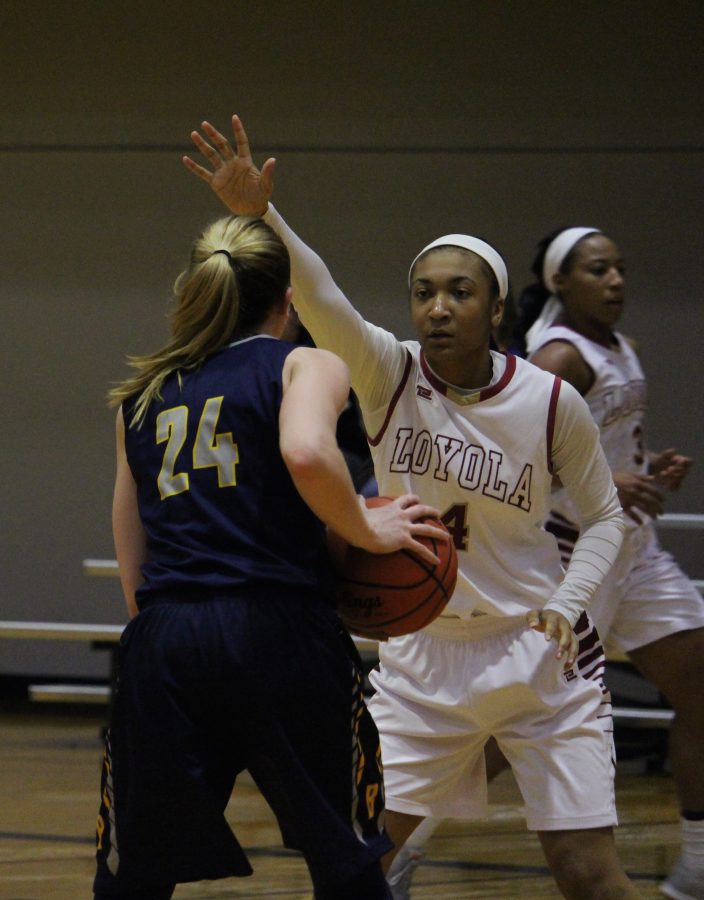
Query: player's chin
[613,310]
[440,343]
[438,355]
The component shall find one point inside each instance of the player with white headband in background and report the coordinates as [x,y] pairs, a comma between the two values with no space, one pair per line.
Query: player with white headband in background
[646,606]
[555,253]
[480,436]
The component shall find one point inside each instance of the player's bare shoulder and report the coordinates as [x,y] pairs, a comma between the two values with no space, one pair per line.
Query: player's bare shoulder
[563,358]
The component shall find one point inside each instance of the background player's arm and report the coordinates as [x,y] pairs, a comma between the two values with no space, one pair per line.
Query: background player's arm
[635,490]
[669,467]
[128,532]
[666,469]
[316,387]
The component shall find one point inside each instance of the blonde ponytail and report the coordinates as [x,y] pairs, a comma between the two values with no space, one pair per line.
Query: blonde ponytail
[239,269]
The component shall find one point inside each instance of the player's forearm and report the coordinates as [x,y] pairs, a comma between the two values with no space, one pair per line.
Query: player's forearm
[594,554]
[322,478]
[325,311]
[131,554]
[584,471]
[375,358]
[128,532]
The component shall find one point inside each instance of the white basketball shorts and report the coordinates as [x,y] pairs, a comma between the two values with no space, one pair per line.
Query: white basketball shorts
[645,596]
[442,692]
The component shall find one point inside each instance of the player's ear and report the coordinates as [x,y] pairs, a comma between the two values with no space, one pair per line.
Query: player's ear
[497,312]
[286,302]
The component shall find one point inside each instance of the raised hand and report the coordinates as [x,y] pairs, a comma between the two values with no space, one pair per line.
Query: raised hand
[241,186]
[555,627]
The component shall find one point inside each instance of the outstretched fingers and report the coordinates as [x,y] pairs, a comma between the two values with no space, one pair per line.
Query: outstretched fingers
[244,152]
[197,170]
[241,139]
[221,142]
[267,175]
[208,151]
[216,155]
[232,176]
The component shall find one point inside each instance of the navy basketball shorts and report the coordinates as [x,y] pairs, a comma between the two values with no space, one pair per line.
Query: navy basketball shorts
[210,688]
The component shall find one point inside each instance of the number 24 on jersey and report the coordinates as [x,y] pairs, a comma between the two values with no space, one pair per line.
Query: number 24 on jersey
[210,449]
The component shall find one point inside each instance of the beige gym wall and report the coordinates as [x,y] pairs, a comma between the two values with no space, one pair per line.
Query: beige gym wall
[392,123]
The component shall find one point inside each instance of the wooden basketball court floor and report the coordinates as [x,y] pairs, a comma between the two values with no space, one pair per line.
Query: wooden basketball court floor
[49,772]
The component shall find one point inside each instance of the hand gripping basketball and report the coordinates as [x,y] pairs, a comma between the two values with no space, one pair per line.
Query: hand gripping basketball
[382,595]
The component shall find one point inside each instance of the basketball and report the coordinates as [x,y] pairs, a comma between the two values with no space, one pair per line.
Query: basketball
[382,595]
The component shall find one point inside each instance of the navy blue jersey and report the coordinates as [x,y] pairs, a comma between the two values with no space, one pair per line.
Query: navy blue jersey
[219,507]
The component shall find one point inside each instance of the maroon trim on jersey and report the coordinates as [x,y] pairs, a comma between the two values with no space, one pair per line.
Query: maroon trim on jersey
[503,381]
[484,394]
[394,400]
[439,386]
[552,409]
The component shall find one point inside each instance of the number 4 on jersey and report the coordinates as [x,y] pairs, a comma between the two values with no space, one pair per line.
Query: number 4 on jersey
[455,520]
[210,449]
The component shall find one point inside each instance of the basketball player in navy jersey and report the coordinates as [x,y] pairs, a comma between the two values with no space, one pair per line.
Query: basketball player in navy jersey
[480,435]
[227,474]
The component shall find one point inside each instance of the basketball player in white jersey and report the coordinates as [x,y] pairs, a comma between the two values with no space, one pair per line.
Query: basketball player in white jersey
[480,436]
[646,606]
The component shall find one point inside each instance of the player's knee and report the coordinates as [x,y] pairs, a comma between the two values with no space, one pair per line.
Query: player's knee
[586,866]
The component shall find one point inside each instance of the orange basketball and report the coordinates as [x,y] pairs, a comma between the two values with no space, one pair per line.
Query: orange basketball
[383,595]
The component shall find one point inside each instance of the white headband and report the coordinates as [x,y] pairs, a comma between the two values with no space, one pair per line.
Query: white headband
[557,251]
[481,248]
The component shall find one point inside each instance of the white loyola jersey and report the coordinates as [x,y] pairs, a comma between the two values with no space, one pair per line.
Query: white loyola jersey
[483,458]
[617,400]
[485,461]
